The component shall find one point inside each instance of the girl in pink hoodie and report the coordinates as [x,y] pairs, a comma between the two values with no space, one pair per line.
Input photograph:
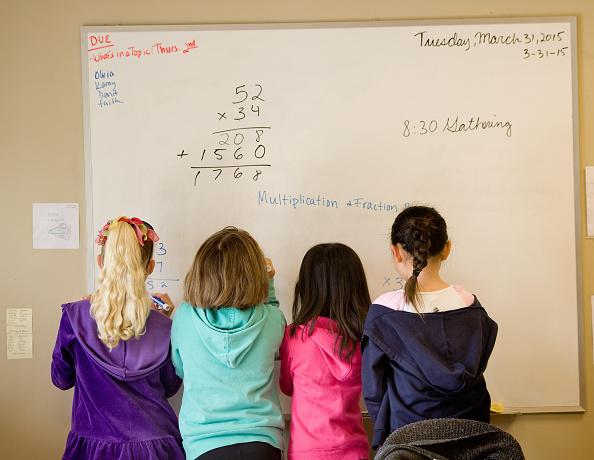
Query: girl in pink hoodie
[321,356]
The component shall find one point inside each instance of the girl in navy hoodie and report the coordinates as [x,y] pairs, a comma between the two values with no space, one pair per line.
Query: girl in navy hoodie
[425,347]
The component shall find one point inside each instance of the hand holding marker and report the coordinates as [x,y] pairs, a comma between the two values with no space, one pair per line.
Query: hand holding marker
[160,304]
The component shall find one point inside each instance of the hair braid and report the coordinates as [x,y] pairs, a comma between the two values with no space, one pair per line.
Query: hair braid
[421,244]
[422,233]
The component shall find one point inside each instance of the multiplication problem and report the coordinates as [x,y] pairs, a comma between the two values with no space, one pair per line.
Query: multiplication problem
[239,151]
[395,283]
[245,104]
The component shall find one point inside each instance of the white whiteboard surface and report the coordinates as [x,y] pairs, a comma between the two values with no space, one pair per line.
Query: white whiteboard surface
[309,133]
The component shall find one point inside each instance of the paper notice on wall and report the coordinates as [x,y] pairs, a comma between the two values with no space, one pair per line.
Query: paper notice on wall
[19,333]
[55,226]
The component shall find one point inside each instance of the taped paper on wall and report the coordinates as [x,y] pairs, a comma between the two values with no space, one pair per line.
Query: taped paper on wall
[19,333]
[55,226]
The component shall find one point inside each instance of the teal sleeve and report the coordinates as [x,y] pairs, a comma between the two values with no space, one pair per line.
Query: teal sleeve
[274,303]
[175,356]
[272,300]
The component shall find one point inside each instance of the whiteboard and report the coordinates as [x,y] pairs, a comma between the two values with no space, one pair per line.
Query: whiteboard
[309,133]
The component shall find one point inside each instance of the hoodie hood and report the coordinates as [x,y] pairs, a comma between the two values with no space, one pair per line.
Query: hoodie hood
[131,359]
[324,335]
[448,350]
[228,333]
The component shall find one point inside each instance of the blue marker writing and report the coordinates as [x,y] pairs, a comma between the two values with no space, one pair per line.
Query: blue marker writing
[162,305]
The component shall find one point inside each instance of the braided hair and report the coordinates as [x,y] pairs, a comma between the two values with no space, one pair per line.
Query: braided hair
[422,233]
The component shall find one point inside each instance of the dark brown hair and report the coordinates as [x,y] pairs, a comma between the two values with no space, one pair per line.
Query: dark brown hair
[422,233]
[228,271]
[332,284]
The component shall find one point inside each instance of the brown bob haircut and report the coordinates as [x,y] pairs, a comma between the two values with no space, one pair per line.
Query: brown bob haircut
[228,271]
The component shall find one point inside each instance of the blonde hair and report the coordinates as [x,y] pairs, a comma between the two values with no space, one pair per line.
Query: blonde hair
[121,305]
[228,271]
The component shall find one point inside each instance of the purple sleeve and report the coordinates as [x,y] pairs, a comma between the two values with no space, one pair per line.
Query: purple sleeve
[171,382]
[63,370]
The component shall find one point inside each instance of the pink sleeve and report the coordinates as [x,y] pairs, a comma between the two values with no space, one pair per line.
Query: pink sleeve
[394,300]
[467,297]
[286,374]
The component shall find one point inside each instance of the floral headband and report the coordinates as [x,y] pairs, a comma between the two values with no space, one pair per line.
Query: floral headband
[144,231]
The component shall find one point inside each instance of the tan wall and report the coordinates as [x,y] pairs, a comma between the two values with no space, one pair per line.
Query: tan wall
[41,160]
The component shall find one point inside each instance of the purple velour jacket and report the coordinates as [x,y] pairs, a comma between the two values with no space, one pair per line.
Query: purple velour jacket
[119,408]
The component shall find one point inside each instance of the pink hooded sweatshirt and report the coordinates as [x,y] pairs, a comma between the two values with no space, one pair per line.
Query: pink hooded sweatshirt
[326,421]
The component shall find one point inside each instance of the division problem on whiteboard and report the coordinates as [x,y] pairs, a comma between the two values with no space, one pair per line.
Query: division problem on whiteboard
[156,282]
[240,151]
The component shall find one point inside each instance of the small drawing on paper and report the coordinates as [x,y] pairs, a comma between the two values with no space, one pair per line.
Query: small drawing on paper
[55,226]
[61,231]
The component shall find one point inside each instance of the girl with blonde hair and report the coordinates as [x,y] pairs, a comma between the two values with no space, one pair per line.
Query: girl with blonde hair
[114,350]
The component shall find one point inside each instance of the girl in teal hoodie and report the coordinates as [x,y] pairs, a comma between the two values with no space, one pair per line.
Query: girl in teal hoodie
[225,339]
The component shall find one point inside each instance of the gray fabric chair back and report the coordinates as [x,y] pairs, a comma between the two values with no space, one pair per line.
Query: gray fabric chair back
[450,439]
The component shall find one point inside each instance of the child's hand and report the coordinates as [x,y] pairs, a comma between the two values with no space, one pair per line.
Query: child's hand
[165,298]
[269,268]
[87,297]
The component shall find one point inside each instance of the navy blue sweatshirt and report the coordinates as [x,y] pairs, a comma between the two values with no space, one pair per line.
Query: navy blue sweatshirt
[421,367]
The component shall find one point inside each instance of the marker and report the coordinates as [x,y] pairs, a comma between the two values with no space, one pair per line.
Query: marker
[162,305]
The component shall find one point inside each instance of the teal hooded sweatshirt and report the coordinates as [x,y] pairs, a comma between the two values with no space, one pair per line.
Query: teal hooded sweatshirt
[226,358]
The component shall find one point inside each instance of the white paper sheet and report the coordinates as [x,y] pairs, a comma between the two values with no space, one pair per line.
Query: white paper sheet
[19,333]
[55,226]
